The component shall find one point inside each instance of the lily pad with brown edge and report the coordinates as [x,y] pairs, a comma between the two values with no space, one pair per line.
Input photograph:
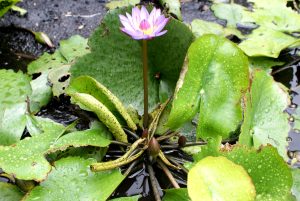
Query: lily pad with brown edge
[10,192]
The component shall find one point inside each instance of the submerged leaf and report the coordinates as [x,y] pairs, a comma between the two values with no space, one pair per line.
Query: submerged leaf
[72,180]
[217,178]
[265,121]
[215,77]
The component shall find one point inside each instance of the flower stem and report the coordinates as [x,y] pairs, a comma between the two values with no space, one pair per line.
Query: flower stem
[145,78]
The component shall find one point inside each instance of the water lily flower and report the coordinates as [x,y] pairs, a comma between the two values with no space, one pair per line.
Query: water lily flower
[142,25]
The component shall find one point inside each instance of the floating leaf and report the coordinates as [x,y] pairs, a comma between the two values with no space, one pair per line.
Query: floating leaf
[132,198]
[173,7]
[91,137]
[14,89]
[113,4]
[88,85]
[116,60]
[269,172]
[9,192]
[265,122]
[74,47]
[72,180]
[217,178]
[92,104]
[296,183]
[210,81]
[267,42]
[176,194]
[25,159]
[5,5]
[60,79]
[41,92]
[201,27]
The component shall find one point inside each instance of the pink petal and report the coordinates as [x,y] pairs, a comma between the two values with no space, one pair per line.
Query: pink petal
[144,13]
[125,22]
[144,25]
[161,25]
[161,33]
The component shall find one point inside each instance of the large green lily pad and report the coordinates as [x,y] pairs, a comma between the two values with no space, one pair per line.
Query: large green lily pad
[265,121]
[215,77]
[115,60]
[72,179]
[176,194]
[217,178]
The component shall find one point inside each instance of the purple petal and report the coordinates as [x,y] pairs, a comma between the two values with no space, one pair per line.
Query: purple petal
[125,22]
[144,13]
[161,25]
[130,33]
[161,33]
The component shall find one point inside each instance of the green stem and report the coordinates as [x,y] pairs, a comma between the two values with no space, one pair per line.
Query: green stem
[145,78]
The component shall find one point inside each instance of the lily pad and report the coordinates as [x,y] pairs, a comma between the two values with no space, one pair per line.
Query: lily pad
[115,60]
[60,79]
[14,89]
[113,4]
[296,183]
[217,178]
[201,27]
[25,159]
[267,42]
[176,194]
[265,121]
[72,180]
[269,172]
[10,192]
[132,198]
[210,80]
[91,137]
[173,7]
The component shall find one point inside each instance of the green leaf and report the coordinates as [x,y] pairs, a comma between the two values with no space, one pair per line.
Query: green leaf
[267,42]
[115,60]
[176,194]
[88,85]
[265,121]
[269,172]
[10,192]
[25,159]
[74,47]
[92,104]
[217,178]
[41,93]
[60,80]
[201,27]
[91,137]
[215,77]
[42,38]
[22,11]
[132,198]
[264,63]
[211,149]
[296,183]
[113,4]
[173,7]
[14,89]
[72,180]
[5,5]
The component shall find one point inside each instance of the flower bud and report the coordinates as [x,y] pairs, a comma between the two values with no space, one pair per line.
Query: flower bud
[181,141]
[154,147]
